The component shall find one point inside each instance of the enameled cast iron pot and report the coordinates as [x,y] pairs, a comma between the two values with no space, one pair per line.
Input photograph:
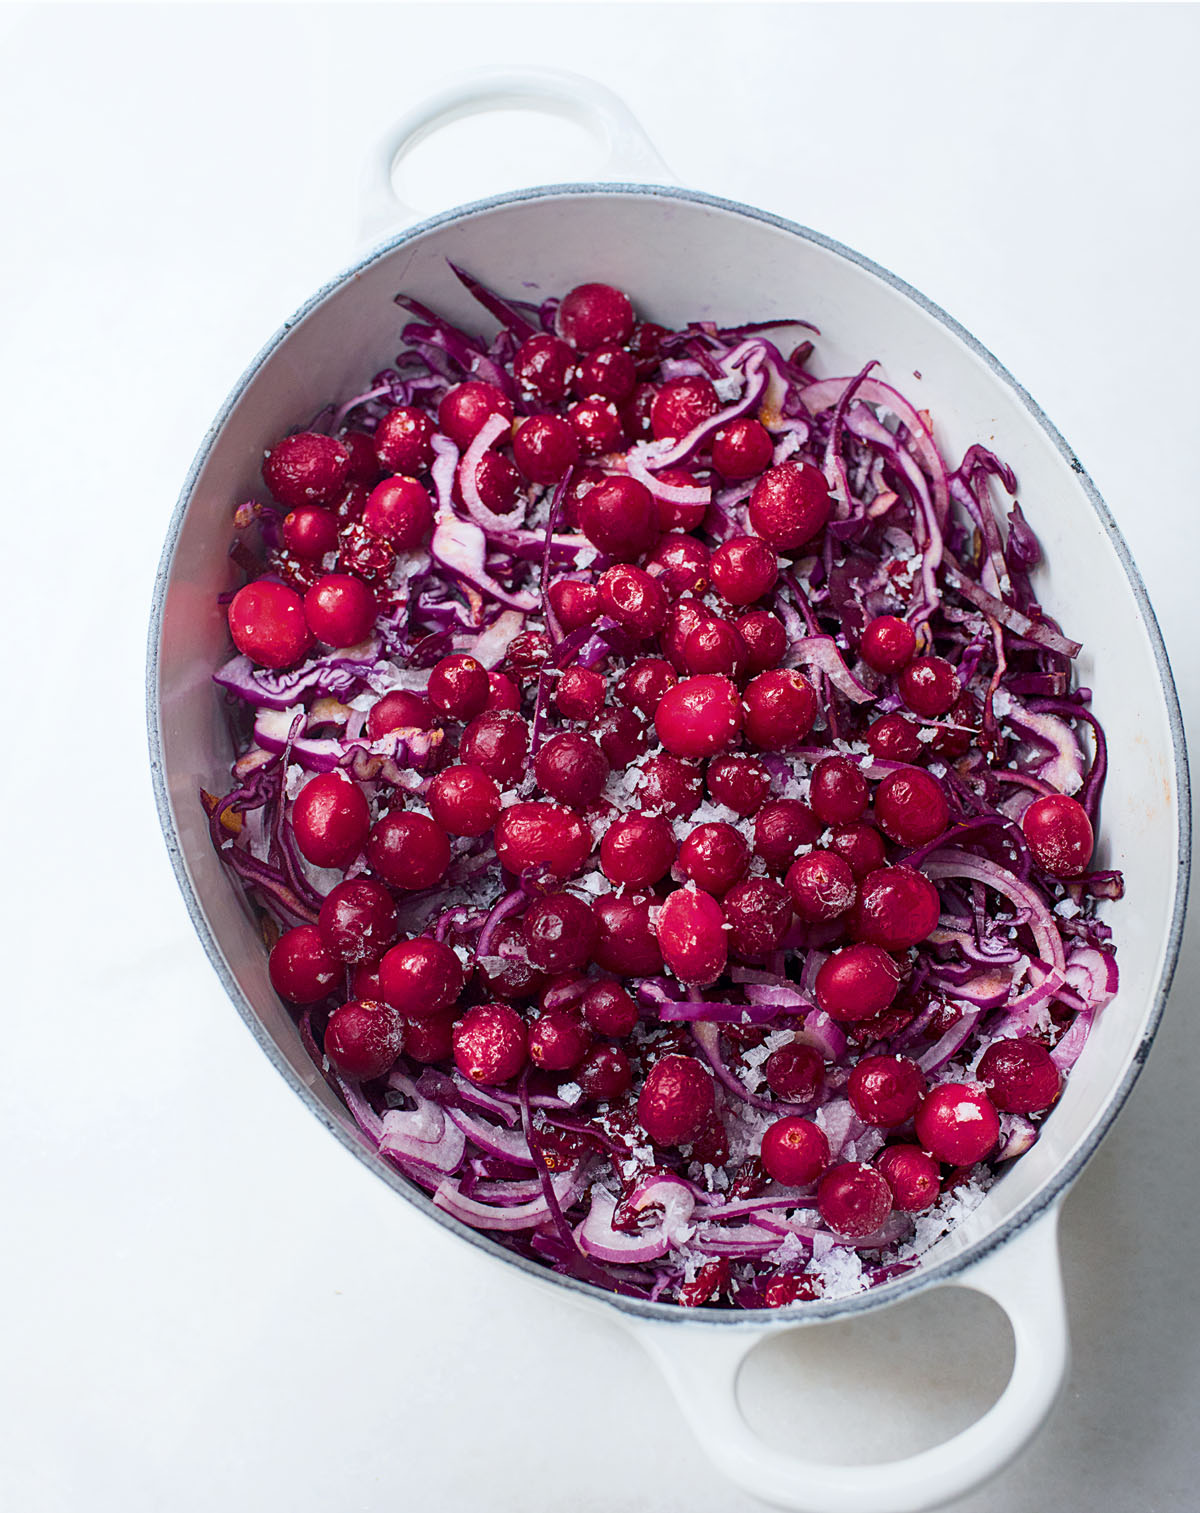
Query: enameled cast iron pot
[684,255]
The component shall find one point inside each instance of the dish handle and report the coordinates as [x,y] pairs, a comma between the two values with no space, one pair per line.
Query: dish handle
[629,155]
[702,1367]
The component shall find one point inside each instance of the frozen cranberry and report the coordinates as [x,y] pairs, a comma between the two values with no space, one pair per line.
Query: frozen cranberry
[306,469]
[780,709]
[739,782]
[597,425]
[503,693]
[795,1072]
[421,977]
[575,604]
[861,846]
[676,1101]
[364,465]
[266,621]
[781,827]
[897,908]
[545,447]
[857,983]
[676,516]
[340,609]
[838,792]
[682,619]
[885,1090]
[607,372]
[398,710]
[893,738]
[680,563]
[789,505]
[821,886]
[362,1040]
[458,686]
[363,552]
[1020,1076]
[542,367]
[1059,834]
[490,1044]
[764,638]
[913,1177]
[497,482]
[497,741]
[742,449]
[400,510]
[609,1010]
[579,693]
[464,800]
[302,968]
[605,1073]
[310,532]
[557,1041]
[715,857]
[593,314]
[570,767]
[634,599]
[911,807]
[955,737]
[364,982]
[929,686]
[635,413]
[626,944]
[888,644]
[682,404]
[506,971]
[542,835]
[618,516]
[795,1151]
[668,786]
[645,345]
[643,685]
[759,913]
[349,504]
[854,1200]
[699,716]
[957,1123]
[637,851]
[527,654]
[622,736]
[560,931]
[330,820]
[466,409]
[409,851]
[714,646]
[428,1041]
[404,441]
[358,920]
[744,569]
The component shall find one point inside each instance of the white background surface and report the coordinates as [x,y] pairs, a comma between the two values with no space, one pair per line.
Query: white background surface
[204,1302]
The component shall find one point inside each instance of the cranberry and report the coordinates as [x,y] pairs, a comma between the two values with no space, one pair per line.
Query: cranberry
[682,619]
[618,516]
[506,970]
[795,1072]
[503,693]
[885,1090]
[605,1073]
[607,372]
[838,793]
[340,609]
[306,469]
[911,807]
[458,686]
[398,710]
[358,920]
[888,644]
[780,709]
[466,409]
[545,447]
[608,1008]
[893,738]
[593,314]
[676,1101]
[579,693]
[795,1151]
[637,851]
[821,886]
[542,835]
[1059,834]
[1020,1076]
[598,426]
[897,907]
[330,820]
[714,646]
[559,931]
[527,654]
[699,717]
[740,783]
[682,404]
[362,1040]
[929,686]
[678,517]
[266,621]
[857,983]
[956,736]
[646,346]
[302,968]
[350,503]
[634,599]
[744,569]
[490,1043]
[310,532]
[497,741]
[742,449]
[854,1200]
[759,913]
[404,441]
[912,1176]
[861,845]
[575,604]
[409,851]
[644,684]
[557,1041]
[627,944]
[764,638]
[428,1041]
[421,978]
[363,552]
[714,857]
[570,767]
[635,413]
[622,736]
[464,800]
[364,465]
[789,505]
[957,1123]
[680,564]
[497,482]
[781,827]
[542,367]
[399,509]
[668,786]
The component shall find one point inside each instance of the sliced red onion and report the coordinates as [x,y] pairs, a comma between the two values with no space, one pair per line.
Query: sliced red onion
[597,1236]
[951,863]
[669,493]
[1064,771]
[1017,1135]
[490,431]
[404,748]
[950,1044]
[509,1145]
[1012,618]
[986,990]
[1093,974]
[567,1187]
[460,546]
[822,653]
[1066,1053]
[423,1134]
